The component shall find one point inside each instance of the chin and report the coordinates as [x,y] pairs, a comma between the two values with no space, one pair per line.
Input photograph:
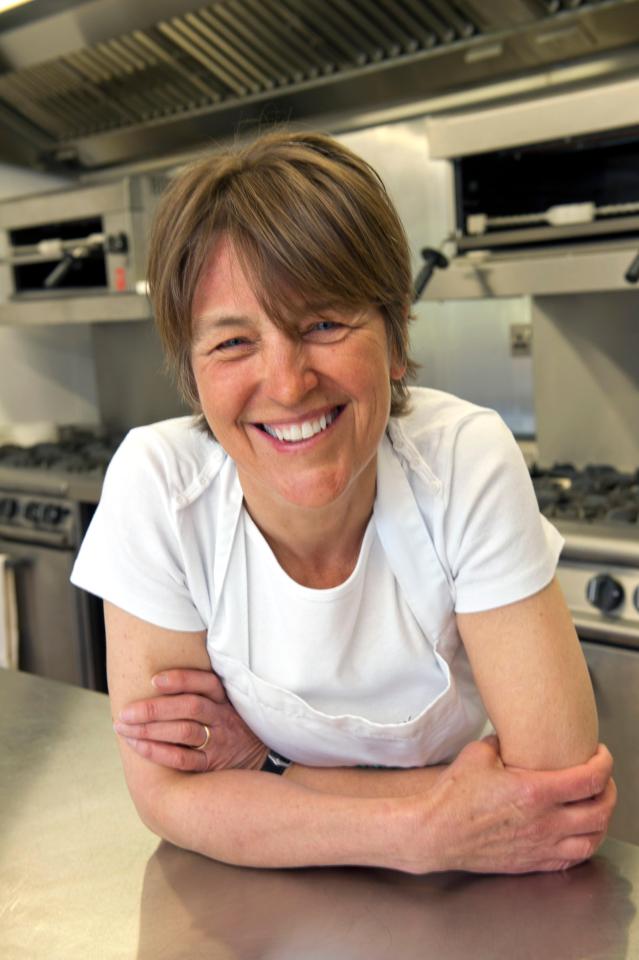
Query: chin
[311,498]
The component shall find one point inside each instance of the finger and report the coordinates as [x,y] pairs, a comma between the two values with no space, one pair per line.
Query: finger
[587,816]
[188,733]
[180,706]
[574,783]
[203,682]
[492,740]
[168,755]
[480,754]
[578,849]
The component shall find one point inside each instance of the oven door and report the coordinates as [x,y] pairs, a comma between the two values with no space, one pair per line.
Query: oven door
[614,672]
[60,627]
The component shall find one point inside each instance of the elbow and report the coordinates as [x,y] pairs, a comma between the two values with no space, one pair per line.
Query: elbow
[555,745]
[152,798]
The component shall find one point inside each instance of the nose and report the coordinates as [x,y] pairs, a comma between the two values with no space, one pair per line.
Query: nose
[288,376]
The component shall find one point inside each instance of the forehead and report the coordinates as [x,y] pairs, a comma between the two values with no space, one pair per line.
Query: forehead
[228,287]
[223,282]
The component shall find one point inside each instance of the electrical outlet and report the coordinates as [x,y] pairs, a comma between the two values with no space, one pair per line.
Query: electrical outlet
[520,339]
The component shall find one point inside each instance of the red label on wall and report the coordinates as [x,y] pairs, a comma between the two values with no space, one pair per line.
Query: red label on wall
[120,279]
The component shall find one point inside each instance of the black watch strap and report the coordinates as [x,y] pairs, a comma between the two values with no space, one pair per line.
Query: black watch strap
[275,763]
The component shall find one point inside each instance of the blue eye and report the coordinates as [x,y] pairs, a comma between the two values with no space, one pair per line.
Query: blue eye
[325,330]
[325,325]
[232,342]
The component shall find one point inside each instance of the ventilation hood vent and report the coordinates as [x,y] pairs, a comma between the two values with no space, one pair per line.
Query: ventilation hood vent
[99,83]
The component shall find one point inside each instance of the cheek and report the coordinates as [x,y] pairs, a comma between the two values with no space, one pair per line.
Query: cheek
[223,392]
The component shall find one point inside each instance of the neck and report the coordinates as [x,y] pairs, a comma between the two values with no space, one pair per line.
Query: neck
[318,547]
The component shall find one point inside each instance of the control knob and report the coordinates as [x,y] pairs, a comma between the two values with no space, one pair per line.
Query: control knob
[52,514]
[32,511]
[604,592]
[8,508]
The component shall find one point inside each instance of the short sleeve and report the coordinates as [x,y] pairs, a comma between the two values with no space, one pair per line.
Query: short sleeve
[131,554]
[500,548]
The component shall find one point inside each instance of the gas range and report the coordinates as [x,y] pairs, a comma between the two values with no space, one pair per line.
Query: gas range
[596,509]
[72,467]
[48,491]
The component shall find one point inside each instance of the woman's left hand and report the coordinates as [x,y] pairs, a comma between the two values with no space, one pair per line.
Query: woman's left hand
[169,729]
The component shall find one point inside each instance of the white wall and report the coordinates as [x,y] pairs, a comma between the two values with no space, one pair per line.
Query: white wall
[46,373]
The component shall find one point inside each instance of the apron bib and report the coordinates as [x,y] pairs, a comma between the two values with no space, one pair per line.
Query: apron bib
[290,725]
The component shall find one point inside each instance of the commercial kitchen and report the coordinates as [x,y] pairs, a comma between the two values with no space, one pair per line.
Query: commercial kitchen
[507,135]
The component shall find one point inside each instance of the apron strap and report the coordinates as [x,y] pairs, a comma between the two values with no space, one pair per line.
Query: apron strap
[409,548]
[231,604]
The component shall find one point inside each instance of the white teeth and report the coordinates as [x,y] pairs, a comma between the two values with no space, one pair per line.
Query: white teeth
[292,433]
[301,431]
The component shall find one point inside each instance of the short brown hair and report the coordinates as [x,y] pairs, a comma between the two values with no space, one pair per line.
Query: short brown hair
[304,214]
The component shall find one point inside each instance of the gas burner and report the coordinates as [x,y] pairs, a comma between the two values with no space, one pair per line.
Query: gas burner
[598,493]
[79,452]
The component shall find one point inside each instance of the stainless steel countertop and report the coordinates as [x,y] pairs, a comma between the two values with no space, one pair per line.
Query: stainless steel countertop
[80,876]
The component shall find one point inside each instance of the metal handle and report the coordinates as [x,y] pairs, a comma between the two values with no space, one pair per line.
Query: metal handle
[432,258]
[60,271]
[632,273]
[13,563]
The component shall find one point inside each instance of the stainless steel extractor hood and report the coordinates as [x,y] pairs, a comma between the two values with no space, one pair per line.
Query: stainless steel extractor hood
[93,84]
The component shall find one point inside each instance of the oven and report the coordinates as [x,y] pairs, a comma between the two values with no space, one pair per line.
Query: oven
[553,216]
[79,254]
[596,508]
[48,494]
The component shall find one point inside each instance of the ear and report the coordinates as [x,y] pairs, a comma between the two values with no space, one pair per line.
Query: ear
[397,370]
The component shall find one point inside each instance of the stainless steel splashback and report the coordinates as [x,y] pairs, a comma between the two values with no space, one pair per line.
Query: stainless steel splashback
[101,82]
[586,378]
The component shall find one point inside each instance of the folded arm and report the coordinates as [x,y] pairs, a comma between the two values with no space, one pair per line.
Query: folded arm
[473,815]
[242,816]
[533,679]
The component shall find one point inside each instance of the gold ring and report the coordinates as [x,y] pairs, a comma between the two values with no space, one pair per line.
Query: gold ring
[202,746]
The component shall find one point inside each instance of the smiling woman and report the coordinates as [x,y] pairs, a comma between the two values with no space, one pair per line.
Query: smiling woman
[262,385]
[325,574]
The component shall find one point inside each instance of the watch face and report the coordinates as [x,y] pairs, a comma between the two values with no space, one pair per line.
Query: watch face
[275,763]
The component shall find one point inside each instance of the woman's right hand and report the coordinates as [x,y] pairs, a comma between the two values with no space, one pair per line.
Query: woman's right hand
[169,728]
[484,817]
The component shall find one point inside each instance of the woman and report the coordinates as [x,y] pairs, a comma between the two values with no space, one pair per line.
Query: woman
[366,588]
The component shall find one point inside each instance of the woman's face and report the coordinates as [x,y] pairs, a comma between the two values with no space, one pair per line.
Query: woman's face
[300,415]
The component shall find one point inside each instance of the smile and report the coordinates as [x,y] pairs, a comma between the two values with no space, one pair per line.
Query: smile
[296,432]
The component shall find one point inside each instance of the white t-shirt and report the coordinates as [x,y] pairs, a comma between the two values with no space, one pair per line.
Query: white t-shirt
[371,671]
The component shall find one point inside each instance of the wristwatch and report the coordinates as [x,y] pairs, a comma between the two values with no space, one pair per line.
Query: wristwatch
[275,763]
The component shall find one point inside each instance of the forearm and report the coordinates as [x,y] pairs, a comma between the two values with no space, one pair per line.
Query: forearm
[365,782]
[533,680]
[256,819]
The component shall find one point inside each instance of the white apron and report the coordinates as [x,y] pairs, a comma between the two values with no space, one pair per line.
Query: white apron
[291,726]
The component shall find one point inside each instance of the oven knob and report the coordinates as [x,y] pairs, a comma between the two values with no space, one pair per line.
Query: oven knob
[32,511]
[52,514]
[605,593]
[8,508]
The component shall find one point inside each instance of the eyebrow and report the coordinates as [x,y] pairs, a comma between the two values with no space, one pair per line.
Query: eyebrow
[204,325]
